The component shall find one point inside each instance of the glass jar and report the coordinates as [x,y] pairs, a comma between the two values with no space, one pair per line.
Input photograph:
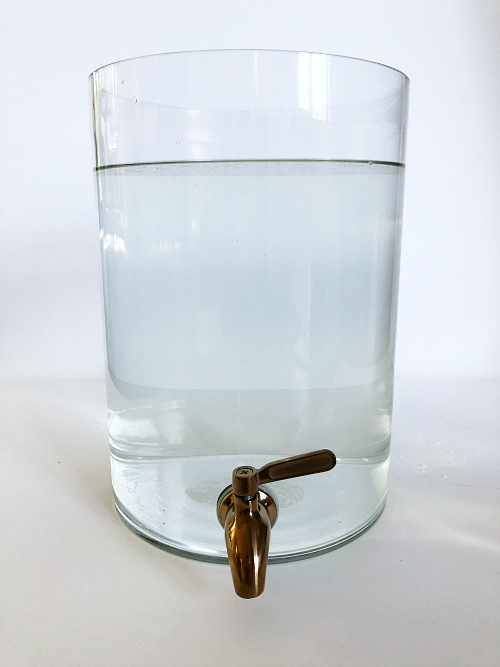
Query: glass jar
[250,210]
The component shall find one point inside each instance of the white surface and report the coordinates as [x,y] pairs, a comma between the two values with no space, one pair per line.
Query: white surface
[49,255]
[420,588]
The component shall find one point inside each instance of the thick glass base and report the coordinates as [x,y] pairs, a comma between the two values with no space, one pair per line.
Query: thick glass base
[172,503]
[163,543]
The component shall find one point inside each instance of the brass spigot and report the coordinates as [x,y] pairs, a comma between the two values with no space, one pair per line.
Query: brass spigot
[248,512]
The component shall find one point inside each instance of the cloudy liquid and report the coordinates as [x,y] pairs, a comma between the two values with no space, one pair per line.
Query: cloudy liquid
[250,315]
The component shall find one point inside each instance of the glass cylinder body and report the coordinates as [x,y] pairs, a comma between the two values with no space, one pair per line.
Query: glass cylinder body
[250,213]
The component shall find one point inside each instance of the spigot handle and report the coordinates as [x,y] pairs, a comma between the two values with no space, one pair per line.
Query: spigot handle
[246,480]
[297,466]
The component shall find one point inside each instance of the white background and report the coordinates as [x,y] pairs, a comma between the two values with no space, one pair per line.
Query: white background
[419,589]
[449,311]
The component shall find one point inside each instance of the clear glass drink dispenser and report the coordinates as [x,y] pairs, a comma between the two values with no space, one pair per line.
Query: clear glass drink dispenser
[250,210]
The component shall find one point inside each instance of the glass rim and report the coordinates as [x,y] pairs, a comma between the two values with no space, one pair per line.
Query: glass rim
[189,51]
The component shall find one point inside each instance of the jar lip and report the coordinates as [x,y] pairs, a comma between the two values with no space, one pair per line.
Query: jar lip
[200,51]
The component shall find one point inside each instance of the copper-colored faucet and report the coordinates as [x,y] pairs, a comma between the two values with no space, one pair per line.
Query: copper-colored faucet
[248,513]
